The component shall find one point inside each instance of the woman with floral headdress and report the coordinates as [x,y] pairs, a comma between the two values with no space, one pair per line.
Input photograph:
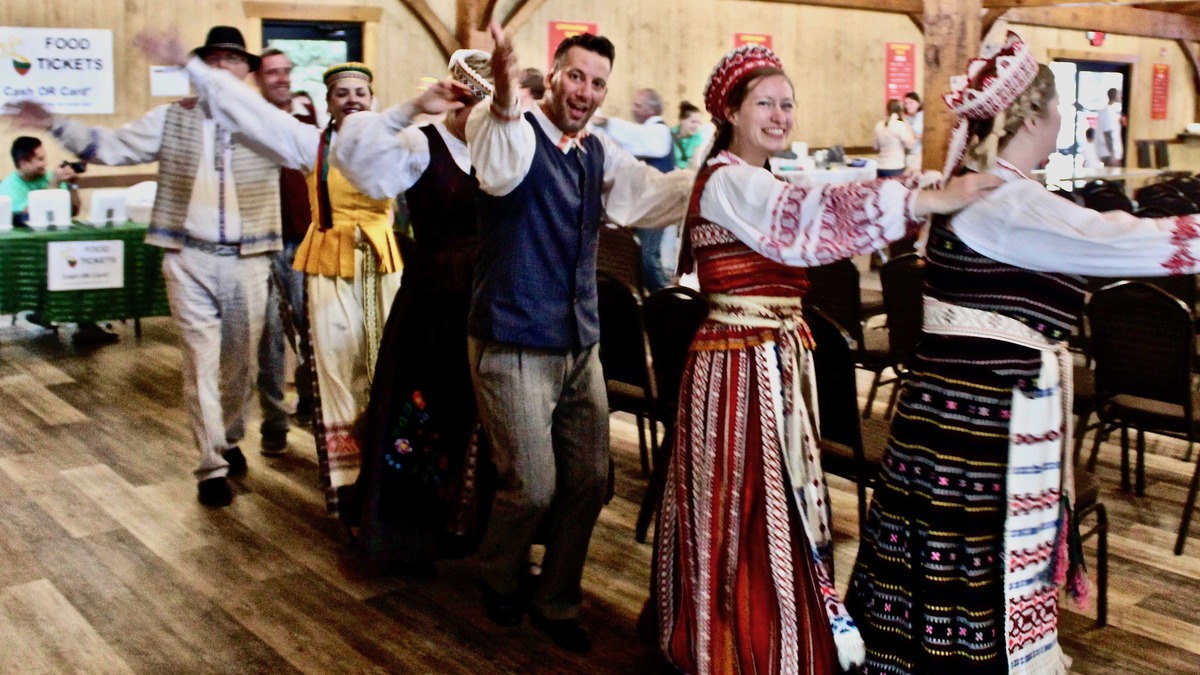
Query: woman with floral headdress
[976,473]
[743,551]
[418,492]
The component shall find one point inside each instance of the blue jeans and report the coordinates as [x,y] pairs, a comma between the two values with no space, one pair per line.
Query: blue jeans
[654,276]
[285,296]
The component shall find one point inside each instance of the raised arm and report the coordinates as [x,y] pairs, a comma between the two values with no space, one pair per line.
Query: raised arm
[638,195]
[810,227]
[271,132]
[500,139]
[1022,224]
[137,142]
[382,154]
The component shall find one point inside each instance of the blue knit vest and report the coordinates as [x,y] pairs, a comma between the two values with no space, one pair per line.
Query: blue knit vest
[535,275]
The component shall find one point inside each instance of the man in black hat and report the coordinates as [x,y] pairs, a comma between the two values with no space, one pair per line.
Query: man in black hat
[217,215]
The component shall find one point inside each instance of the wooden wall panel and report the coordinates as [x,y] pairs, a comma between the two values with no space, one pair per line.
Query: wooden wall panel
[834,57]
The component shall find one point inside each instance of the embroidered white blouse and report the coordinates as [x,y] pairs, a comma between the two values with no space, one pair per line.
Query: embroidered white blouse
[1022,224]
[806,227]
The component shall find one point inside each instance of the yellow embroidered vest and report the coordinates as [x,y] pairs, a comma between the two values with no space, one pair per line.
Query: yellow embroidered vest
[331,252]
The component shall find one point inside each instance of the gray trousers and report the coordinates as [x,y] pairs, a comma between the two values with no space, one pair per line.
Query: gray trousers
[286,286]
[218,302]
[546,417]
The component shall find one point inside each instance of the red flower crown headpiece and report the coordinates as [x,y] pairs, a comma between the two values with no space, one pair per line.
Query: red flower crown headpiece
[730,70]
[1014,70]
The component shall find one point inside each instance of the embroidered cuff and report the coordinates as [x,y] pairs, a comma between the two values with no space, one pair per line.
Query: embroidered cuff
[913,222]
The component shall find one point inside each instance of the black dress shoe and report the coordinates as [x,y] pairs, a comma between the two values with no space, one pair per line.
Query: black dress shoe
[566,633]
[215,492]
[504,609]
[274,443]
[304,413]
[237,461]
[93,334]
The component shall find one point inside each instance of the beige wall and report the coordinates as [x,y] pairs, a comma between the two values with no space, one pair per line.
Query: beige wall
[834,56]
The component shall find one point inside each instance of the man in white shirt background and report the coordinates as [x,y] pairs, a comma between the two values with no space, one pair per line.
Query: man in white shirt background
[1110,146]
[649,139]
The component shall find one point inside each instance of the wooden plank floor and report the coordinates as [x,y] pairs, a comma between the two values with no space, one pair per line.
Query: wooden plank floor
[108,564]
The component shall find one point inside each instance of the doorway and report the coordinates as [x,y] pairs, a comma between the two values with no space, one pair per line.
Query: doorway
[1083,93]
[314,46]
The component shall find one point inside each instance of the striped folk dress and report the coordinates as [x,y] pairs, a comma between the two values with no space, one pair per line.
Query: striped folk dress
[929,588]
[743,579]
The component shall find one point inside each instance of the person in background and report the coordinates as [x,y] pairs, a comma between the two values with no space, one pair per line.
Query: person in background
[349,254]
[687,138]
[893,138]
[286,315]
[546,186]
[1111,147]
[33,173]
[1091,158]
[219,223]
[532,88]
[649,139]
[914,114]
[743,577]
[425,481]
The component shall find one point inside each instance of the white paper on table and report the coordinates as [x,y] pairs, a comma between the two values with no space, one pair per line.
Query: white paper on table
[169,81]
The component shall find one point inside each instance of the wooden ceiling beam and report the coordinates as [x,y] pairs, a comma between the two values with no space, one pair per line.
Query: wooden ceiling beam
[520,13]
[1012,4]
[442,36]
[1118,20]
[890,6]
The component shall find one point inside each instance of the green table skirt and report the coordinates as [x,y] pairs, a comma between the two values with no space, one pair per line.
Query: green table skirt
[23,276]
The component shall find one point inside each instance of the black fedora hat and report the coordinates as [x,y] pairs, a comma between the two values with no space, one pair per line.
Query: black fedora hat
[228,38]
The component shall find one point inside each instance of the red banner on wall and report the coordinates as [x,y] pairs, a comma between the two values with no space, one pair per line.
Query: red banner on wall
[561,30]
[899,70]
[764,39]
[1160,91]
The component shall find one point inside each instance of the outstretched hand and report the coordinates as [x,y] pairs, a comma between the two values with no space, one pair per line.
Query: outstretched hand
[443,96]
[29,115]
[504,67]
[960,192]
[164,47]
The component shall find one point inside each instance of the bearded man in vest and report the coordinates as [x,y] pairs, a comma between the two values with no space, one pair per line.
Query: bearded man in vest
[545,187]
[216,214]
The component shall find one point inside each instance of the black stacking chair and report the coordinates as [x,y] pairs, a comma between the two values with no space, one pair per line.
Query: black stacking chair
[843,450]
[673,314]
[835,290]
[625,356]
[1143,342]
[1162,159]
[1152,212]
[619,255]
[1107,199]
[1174,204]
[903,281]
[1145,158]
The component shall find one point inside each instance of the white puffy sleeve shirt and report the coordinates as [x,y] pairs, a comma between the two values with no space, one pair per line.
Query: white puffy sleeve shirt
[1024,225]
[806,227]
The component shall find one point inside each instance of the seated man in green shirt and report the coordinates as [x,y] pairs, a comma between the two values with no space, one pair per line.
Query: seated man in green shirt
[29,156]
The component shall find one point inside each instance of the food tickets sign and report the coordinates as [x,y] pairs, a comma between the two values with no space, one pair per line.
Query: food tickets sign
[81,265]
[68,70]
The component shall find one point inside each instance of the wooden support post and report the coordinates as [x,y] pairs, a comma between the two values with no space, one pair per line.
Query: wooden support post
[952,35]
[471,22]
[1189,50]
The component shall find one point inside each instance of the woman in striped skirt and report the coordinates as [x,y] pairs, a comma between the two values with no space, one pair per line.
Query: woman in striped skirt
[967,543]
[744,581]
